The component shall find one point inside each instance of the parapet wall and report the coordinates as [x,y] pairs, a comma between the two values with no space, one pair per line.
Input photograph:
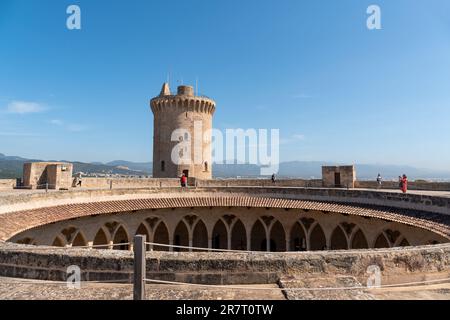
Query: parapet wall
[299,183]
[8,184]
[220,268]
[117,183]
[412,185]
[105,183]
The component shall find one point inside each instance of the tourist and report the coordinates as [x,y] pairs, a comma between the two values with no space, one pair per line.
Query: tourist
[404,183]
[78,180]
[273,178]
[400,182]
[379,180]
[183,180]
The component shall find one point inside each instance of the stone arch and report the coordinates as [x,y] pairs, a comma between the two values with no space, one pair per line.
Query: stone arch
[381,241]
[181,236]
[143,230]
[200,235]
[101,240]
[79,240]
[298,237]
[277,237]
[161,235]
[27,240]
[338,239]
[404,243]
[121,239]
[238,236]
[317,240]
[359,240]
[220,235]
[258,237]
[58,242]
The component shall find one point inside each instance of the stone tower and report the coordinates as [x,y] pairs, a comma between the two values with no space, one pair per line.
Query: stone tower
[182,131]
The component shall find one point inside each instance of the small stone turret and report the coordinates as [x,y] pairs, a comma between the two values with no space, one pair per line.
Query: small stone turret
[182,130]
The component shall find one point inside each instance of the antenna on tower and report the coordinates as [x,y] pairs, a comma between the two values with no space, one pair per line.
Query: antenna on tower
[196,86]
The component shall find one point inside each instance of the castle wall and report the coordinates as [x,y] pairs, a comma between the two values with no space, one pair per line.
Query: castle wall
[300,183]
[105,183]
[116,183]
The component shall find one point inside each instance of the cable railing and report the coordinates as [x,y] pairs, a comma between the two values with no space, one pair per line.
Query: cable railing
[112,246]
[246,287]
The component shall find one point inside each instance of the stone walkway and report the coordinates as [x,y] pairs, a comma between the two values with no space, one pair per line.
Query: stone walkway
[20,289]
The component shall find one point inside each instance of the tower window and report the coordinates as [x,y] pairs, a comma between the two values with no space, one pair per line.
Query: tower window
[206,166]
[163,165]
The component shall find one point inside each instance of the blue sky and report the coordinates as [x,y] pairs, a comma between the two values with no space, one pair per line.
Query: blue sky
[336,90]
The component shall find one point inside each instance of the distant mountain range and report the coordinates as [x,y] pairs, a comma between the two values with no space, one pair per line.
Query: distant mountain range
[11,167]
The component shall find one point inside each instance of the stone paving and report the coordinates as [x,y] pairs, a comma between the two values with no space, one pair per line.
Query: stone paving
[19,289]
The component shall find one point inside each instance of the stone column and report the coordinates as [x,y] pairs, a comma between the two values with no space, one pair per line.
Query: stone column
[209,243]
[288,241]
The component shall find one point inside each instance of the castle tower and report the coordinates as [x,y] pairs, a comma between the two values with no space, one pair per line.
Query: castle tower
[182,130]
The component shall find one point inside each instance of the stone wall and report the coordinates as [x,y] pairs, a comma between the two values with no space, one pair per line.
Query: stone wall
[220,268]
[105,183]
[56,175]
[7,184]
[338,176]
[412,185]
[299,183]
[117,183]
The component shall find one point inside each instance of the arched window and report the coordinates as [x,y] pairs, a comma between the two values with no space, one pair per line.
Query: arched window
[163,165]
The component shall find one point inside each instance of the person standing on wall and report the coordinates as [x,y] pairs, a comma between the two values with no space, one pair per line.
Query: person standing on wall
[273,178]
[379,181]
[404,183]
[183,180]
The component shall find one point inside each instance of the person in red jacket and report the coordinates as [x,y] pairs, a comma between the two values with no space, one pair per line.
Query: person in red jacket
[183,180]
[404,183]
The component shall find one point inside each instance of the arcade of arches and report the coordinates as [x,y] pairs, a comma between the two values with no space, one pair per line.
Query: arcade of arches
[236,228]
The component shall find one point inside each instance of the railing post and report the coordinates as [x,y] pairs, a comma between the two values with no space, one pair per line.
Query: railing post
[46,187]
[139,268]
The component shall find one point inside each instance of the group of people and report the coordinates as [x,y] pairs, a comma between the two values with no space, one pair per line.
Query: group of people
[402,182]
